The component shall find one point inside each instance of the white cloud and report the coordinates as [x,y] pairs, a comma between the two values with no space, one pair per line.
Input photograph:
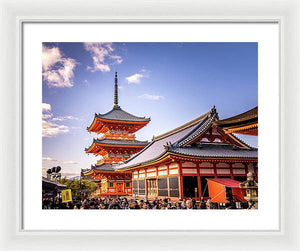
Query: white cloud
[51,129]
[151,97]
[48,159]
[46,107]
[102,55]
[46,110]
[50,57]
[70,162]
[137,77]
[47,116]
[117,59]
[64,118]
[58,71]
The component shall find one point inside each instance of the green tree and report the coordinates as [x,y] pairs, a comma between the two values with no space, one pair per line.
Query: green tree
[87,187]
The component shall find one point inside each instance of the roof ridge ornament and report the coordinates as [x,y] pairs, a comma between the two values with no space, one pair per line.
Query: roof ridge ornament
[168,145]
[116,98]
[213,111]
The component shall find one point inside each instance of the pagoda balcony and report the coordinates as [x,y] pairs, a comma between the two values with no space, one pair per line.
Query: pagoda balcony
[112,192]
[124,136]
[111,160]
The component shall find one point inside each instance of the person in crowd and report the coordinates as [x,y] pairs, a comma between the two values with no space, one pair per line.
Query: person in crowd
[194,204]
[133,205]
[209,203]
[145,206]
[202,204]
[189,204]
[126,203]
[183,204]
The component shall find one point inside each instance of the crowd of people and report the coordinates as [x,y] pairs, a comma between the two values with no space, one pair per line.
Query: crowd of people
[125,203]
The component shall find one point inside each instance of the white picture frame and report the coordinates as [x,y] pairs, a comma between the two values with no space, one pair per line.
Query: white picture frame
[14,15]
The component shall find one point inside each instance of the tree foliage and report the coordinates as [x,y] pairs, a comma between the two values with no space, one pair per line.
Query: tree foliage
[80,188]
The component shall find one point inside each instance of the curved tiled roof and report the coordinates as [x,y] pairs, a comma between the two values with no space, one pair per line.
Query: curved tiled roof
[203,125]
[245,118]
[216,150]
[121,142]
[120,115]
[104,167]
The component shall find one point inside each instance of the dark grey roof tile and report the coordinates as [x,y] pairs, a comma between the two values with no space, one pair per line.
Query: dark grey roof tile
[118,114]
[121,142]
[216,150]
[104,167]
[156,148]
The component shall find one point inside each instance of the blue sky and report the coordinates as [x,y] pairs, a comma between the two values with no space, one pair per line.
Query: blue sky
[172,83]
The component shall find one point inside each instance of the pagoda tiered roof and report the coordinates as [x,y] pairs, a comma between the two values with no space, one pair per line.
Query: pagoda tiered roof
[103,167]
[118,117]
[116,143]
[94,168]
[104,171]
[121,142]
[118,114]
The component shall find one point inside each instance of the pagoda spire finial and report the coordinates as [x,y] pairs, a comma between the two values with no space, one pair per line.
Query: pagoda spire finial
[116,99]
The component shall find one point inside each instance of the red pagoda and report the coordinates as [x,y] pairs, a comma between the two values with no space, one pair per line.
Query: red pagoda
[116,144]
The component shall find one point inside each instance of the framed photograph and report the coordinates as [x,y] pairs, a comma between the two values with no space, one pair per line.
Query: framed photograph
[132,128]
[109,159]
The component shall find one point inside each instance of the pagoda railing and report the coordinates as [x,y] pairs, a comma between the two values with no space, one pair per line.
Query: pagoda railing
[112,191]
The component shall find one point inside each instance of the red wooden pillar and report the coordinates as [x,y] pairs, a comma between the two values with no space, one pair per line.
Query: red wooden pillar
[115,187]
[156,173]
[168,184]
[246,168]
[231,171]
[254,170]
[180,181]
[215,169]
[199,181]
[146,184]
